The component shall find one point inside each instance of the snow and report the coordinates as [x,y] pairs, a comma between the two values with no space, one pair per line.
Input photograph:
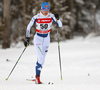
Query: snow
[80,1]
[80,66]
[91,35]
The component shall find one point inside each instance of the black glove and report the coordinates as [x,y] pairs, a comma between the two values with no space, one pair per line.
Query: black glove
[57,16]
[26,43]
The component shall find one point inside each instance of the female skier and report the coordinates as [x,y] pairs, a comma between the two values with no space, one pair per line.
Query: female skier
[41,40]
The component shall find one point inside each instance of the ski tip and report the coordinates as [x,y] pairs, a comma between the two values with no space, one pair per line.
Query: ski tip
[6,79]
[31,79]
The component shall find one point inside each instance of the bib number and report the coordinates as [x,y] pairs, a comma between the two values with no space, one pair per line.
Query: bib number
[44,26]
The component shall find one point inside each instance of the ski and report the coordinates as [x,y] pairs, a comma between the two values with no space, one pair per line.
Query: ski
[49,83]
[31,80]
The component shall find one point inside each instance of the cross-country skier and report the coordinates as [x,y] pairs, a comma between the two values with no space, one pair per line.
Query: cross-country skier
[41,40]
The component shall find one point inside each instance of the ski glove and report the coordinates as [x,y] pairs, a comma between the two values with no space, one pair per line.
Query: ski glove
[57,16]
[26,43]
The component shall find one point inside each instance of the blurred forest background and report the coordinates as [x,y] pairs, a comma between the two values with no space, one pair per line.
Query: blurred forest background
[79,17]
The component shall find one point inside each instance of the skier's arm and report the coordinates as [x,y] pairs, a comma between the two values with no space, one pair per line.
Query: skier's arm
[57,20]
[31,23]
[59,23]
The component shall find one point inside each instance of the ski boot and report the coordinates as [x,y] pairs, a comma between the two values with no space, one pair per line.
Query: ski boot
[38,80]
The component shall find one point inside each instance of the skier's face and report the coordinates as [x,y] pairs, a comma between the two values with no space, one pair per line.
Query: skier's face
[45,12]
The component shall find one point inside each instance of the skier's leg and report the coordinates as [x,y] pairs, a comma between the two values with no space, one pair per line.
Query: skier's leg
[39,52]
[41,47]
[38,71]
[45,48]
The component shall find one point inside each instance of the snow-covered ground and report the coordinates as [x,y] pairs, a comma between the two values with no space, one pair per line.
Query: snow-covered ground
[80,66]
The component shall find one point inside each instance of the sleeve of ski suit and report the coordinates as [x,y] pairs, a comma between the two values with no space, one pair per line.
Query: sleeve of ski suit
[58,22]
[31,23]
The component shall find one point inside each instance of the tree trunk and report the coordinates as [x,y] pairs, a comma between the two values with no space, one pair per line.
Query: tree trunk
[77,18]
[7,23]
[94,14]
[71,24]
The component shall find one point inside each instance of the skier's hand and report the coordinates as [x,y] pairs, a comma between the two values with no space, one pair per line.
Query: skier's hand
[26,43]
[57,16]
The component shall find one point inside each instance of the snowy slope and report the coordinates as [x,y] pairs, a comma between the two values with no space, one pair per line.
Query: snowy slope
[80,66]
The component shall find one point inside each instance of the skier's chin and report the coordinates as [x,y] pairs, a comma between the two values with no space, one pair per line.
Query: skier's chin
[46,14]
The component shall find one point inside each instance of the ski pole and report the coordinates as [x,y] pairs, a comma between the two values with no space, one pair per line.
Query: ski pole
[15,64]
[59,53]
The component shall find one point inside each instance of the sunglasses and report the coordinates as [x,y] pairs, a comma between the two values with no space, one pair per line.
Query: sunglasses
[45,9]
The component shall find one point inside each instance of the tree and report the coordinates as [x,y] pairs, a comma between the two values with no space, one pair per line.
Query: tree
[78,18]
[7,24]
